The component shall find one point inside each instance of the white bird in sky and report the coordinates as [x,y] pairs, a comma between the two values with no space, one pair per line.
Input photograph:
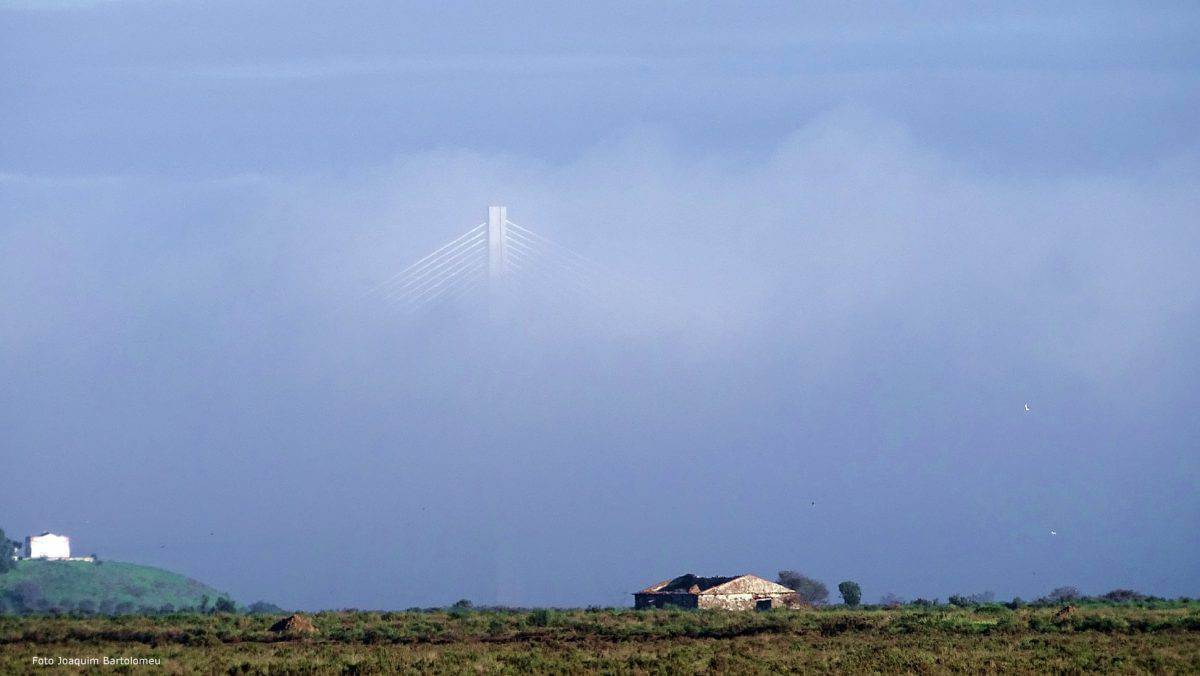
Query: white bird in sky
[1054,532]
[1027,408]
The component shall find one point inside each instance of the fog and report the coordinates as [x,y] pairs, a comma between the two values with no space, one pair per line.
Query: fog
[813,351]
[852,322]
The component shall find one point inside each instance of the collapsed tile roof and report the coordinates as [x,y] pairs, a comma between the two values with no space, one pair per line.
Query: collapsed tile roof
[694,584]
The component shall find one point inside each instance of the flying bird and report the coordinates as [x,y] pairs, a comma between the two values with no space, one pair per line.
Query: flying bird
[1054,532]
[1027,408]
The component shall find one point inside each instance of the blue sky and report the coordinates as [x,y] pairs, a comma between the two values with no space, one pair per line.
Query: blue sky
[864,239]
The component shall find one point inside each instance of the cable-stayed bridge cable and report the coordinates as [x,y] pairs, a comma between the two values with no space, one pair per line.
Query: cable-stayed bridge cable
[526,266]
[505,256]
[411,268]
[461,264]
[465,277]
[432,266]
[446,271]
[580,258]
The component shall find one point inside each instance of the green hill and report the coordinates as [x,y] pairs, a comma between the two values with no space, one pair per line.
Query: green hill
[107,587]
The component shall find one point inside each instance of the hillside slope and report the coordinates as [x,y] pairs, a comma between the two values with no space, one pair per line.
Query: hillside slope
[105,587]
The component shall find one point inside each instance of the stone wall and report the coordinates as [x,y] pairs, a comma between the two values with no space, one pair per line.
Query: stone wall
[743,601]
[746,601]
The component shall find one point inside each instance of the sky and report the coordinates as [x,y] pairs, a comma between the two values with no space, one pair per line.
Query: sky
[845,248]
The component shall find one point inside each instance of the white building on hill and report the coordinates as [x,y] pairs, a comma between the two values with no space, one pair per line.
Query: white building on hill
[47,546]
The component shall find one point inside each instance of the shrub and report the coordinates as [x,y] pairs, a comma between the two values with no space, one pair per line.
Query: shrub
[1041,623]
[1104,623]
[201,637]
[540,617]
[890,600]
[1007,624]
[832,626]
[496,626]
[971,599]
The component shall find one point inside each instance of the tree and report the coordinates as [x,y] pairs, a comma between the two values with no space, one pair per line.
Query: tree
[28,594]
[851,592]
[808,590]
[265,608]
[1124,595]
[225,605]
[1063,594]
[971,599]
[6,556]
[890,600]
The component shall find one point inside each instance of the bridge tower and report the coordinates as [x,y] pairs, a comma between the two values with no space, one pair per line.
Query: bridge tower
[500,258]
[497,250]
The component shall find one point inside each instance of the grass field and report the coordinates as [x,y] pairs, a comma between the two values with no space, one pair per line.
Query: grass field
[943,639]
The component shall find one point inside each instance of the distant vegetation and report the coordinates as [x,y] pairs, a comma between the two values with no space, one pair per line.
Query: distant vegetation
[966,600]
[6,561]
[109,588]
[1063,594]
[810,591]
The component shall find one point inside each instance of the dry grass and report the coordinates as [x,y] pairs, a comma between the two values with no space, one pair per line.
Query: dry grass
[1100,639]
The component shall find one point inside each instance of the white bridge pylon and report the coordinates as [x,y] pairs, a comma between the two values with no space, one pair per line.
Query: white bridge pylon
[496,256]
